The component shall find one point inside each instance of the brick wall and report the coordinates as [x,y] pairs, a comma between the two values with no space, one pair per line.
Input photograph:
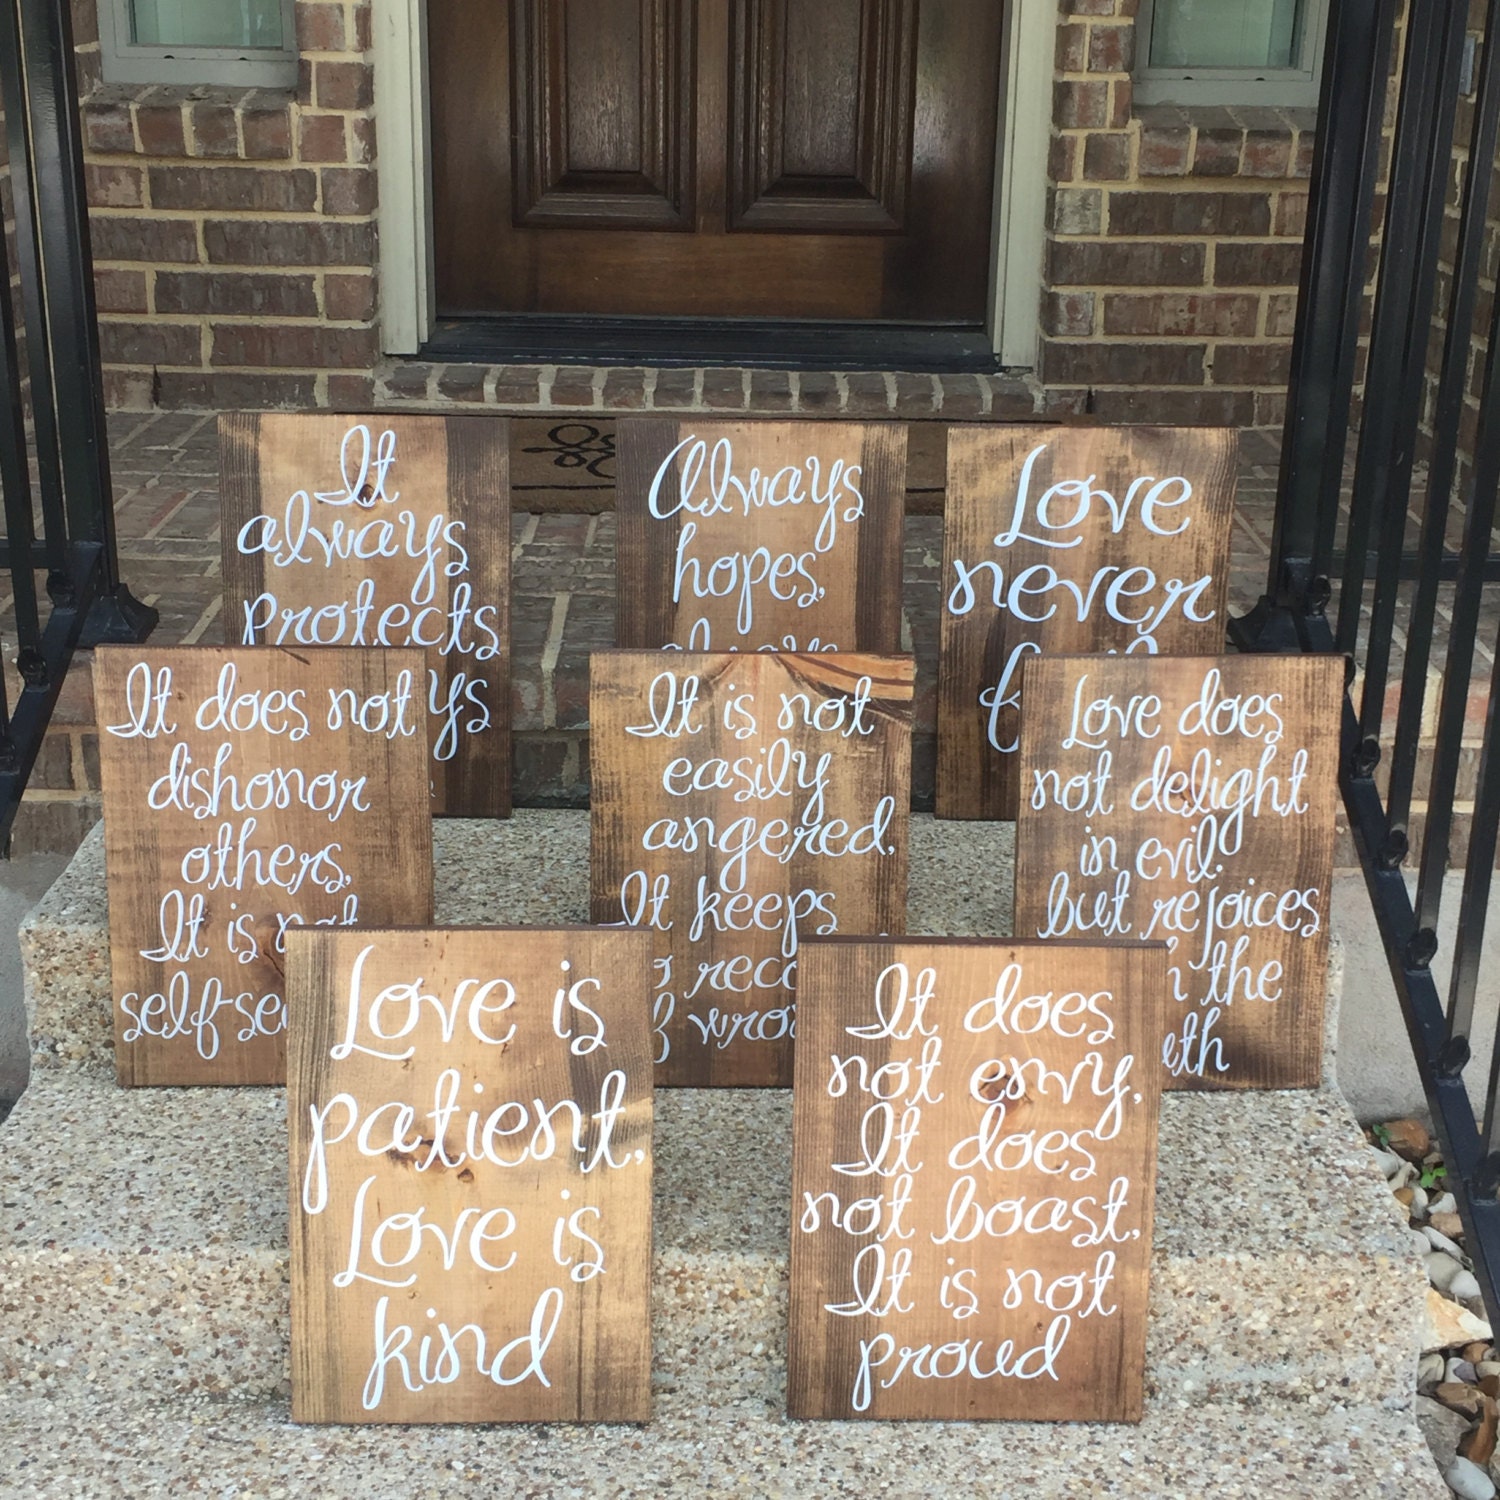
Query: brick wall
[234,229]
[1174,240]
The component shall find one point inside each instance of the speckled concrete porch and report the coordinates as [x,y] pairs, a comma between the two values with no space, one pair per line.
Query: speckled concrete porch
[144,1295]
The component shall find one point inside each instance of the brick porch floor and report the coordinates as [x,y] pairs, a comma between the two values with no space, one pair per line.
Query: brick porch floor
[563,589]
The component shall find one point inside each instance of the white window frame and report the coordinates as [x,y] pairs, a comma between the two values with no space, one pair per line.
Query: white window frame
[125,61]
[1287,87]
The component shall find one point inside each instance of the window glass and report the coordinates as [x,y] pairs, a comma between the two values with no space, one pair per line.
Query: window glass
[1225,33]
[207,23]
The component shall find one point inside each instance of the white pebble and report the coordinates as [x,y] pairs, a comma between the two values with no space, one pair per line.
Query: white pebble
[1418,1241]
[1390,1163]
[1464,1287]
[1417,1208]
[1440,1241]
[1431,1370]
[1444,1204]
[1468,1481]
[1441,1269]
[1487,1367]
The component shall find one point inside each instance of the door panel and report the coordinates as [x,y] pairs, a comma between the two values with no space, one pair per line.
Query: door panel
[821,133]
[714,158]
[602,113]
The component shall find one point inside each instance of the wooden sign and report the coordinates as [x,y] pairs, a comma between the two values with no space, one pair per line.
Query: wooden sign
[470,1176]
[246,792]
[740,804]
[383,531]
[748,536]
[1068,539]
[973,1171]
[1191,801]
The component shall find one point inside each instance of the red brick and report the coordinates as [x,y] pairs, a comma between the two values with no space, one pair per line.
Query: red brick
[362,28]
[1217,153]
[724,390]
[518,385]
[351,392]
[674,389]
[268,189]
[817,390]
[1270,409]
[287,242]
[916,395]
[1291,214]
[349,299]
[868,394]
[962,397]
[1303,158]
[348,190]
[573,385]
[1060,157]
[1169,214]
[110,186]
[1281,314]
[1181,315]
[1072,47]
[136,343]
[297,346]
[1267,153]
[119,291]
[625,390]
[362,132]
[1176,408]
[462,383]
[1278,263]
[231,390]
[118,238]
[107,127]
[1106,158]
[1164,151]
[1120,263]
[1121,364]
[215,132]
[1111,49]
[320,28]
[343,85]
[1121,102]
[321,138]
[1080,105]
[242,293]
[1252,364]
[129,390]
[160,127]
[408,381]
[267,128]
[770,391]
[1068,314]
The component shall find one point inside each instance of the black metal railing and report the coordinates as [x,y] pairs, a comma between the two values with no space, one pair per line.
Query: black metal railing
[1405,555]
[61,527]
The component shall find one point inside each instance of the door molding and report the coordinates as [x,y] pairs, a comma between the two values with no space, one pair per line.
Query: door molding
[403,165]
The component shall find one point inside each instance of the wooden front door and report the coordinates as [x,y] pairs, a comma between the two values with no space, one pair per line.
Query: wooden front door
[715,158]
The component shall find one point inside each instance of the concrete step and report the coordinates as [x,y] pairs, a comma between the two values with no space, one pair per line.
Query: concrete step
[143,1291]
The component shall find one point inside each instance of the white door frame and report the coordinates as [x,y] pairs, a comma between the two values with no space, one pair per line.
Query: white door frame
[404,165]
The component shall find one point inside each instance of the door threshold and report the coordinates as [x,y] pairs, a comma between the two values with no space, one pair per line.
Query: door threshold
[534,338]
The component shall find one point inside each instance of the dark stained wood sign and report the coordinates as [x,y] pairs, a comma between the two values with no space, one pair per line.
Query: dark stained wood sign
[746,536]
[742,803]
[247,791]
[1068,539]
[470,1175]
[1191,801]
[383,531]
[973,1174]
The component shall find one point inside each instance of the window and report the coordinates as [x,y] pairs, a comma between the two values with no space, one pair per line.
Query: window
[1230,51]
[245,42]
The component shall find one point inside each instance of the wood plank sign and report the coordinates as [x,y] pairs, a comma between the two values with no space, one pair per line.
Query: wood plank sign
[247,792]
[470,1175]
[1191,801]
[748,536]
[1068,539]
[383,531]
[740,804]
[973,1176]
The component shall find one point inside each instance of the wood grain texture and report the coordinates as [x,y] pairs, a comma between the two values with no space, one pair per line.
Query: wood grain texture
[218,831]
[743,827]
[746,536]
[1031,568]
[964,1114]
[422,559]
[511,1207]
[1151,827]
